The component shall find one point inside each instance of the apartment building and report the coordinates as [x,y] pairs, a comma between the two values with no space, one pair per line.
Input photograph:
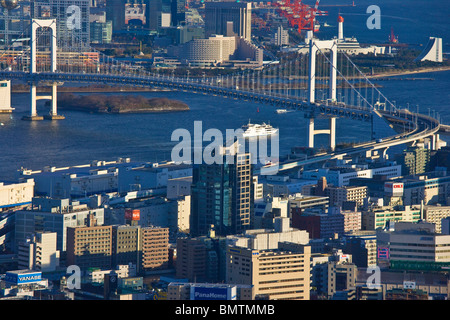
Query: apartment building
[279,274]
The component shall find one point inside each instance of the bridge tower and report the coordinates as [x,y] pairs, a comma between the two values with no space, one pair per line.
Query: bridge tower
[35,25]
[314,46]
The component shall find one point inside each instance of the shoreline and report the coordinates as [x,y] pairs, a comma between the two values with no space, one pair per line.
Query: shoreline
[407,72]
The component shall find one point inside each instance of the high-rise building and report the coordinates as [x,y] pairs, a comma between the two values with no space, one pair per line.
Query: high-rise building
[53,215]
[72,19]
[414,246]
[281,37]
[178,11]
[414,160]
[115,12]
[101,32]
[153,10]
[39,252]
[280,274]
[155,248]
[90,246]
[127,245]
[222,195]
[218,14]
[334,276]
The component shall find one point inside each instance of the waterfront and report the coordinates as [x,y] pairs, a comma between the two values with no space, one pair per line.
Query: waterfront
[83,137]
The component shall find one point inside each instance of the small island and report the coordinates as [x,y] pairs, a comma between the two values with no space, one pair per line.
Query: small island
[97,103]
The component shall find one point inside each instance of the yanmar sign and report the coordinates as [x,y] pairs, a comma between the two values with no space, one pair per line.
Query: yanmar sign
[22,278]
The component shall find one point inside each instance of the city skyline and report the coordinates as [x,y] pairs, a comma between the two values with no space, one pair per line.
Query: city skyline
[352,204]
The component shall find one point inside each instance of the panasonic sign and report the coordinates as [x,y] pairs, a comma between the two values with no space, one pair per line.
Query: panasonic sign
[213,293]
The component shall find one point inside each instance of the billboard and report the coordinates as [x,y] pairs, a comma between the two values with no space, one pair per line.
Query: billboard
[213,293]
[132,214]
[383,253]
[23,277]
[393,189]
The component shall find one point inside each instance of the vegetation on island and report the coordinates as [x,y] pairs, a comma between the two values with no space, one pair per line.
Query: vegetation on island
[97,103]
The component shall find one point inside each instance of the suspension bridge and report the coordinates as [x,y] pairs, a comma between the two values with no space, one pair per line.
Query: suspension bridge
[324,83]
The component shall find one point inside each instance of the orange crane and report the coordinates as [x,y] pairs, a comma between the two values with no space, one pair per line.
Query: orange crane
[300,15]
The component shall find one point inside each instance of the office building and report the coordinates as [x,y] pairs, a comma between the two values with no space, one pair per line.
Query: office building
[38,252]
[222,195]
[54,215]
[278,274]
[77,181]
[362,245]
[74,33]
[281,37]
[155,248]
[178,11]
[266,239]
[435,214]
[339,195]
[339,177]
[414,246]
[127,245]
[219,14]
[16,194]
[153,10]
[150,175]
[334,276]
[378,217]
[101,32]
[90,246]
[430,188]
[414,160]
[201,258]
[115,12]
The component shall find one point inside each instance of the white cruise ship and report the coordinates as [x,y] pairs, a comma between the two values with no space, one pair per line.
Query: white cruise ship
[255,130]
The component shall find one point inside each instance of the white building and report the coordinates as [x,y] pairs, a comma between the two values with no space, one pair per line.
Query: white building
[264,239]
[281,37]
[77,181]
[151,175]
[16,194]
[39,252]
[432,51]
[341,176]
[5,96]
[122,271]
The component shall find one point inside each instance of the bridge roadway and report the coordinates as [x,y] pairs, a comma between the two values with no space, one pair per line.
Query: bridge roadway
[426,127]
[183,84]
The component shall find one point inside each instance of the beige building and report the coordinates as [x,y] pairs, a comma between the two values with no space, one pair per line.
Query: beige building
[338,195]
[16,194]
[415,243]
[435,214]
[90,247]
[155,248]
[264,239]
[5,96]
[279,274]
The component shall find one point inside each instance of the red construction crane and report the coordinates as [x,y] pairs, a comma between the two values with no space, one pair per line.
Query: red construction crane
[300,15]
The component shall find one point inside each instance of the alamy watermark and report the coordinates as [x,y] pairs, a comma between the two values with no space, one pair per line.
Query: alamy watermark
[73,17]
[220,150]
[374,21]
